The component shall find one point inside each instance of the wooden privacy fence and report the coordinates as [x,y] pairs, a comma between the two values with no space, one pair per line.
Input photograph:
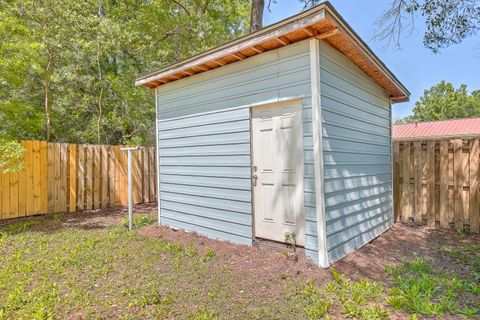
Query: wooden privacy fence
[60,177]
[436,182]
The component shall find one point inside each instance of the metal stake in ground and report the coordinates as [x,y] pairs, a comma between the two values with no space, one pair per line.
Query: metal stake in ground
[130,187]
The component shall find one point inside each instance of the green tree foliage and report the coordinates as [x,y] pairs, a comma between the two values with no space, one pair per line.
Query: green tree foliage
[11,156]
[444,101]
[67,68]
[447,22]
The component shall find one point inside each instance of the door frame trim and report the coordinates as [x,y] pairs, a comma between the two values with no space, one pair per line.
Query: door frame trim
[280,102]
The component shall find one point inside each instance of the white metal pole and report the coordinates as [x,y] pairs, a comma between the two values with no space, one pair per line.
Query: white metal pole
[130,186]
[130,192]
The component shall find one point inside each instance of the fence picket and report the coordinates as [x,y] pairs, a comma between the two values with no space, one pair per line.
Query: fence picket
[152,167]
[22,175]
[63,177]
[5,195]
[29,178]
[36,177]
[81,178]
[444,173]
[146,181]
[72,205]
[406,210]
[111,175]
[417,164]
[137,176]
[458,188]
[50,177]
[43,178]
[13,195]
[431,183]
[96,176]
[89,178]
[104,177]
[474,186]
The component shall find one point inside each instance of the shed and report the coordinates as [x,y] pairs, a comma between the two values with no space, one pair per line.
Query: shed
[286,130]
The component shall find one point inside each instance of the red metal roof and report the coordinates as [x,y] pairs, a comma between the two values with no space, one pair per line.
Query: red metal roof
[445,128]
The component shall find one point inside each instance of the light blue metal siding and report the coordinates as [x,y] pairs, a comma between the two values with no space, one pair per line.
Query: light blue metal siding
[204,140]
[311,238]
[357,155]
[205,174]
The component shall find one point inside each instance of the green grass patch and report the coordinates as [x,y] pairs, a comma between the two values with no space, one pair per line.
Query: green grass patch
[419,288]
[356,299]
[139,220]
[467,254]
[13,228]
[102,273]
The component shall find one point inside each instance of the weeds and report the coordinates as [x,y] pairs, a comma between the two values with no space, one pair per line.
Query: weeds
[14,228]
[209,255]
[317,303]
[203,314]
[467,254]
[291,240]
[357,299]
[421,289]
[139,220]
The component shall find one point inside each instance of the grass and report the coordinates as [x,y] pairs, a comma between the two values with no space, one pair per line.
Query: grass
[422,289]
[355,299]
[467,254]
[139,220]
[101,273]
[111,273]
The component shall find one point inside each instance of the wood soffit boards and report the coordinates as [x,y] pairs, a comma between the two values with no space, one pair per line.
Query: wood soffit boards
[321,22]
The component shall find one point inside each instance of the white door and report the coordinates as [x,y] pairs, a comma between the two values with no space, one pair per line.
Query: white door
[277,139]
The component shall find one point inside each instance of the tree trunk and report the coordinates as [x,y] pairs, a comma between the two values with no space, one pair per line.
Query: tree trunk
[46,86]
[100,98]
[256,21]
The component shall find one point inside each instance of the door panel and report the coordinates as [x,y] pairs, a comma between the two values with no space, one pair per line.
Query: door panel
[278,171]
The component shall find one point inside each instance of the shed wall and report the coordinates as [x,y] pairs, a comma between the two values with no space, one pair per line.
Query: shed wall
[356,129]
[204,140]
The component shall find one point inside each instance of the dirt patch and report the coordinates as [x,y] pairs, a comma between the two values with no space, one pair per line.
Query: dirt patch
[258,262]
[405,242]
[88,219]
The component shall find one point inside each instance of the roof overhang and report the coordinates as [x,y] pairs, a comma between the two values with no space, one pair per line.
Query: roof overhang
[322,22]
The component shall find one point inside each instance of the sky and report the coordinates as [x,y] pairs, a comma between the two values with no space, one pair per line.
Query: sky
[414,65]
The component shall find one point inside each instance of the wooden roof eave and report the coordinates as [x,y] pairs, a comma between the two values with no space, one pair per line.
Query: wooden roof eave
[322,22]
[377,70]
[231,48]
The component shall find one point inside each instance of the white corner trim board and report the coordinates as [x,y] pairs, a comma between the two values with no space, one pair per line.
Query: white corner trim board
[157,158]
[318,152]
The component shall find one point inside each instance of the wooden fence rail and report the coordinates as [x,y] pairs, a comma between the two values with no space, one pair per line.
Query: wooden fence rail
[436,182]
[60,177]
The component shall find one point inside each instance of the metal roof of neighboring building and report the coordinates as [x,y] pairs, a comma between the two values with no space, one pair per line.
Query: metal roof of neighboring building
[322,22]
[437,129]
